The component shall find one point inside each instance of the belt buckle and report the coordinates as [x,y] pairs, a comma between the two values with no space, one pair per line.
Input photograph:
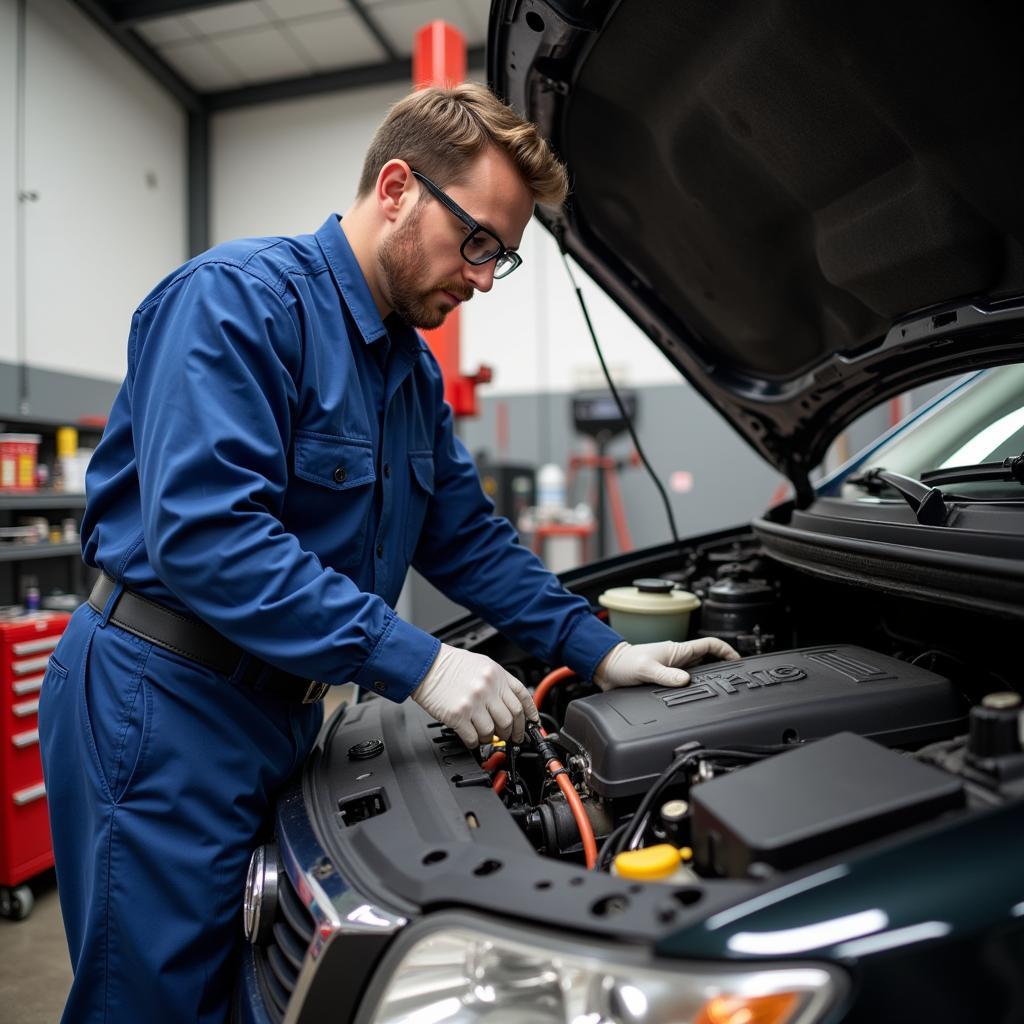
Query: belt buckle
[315,692]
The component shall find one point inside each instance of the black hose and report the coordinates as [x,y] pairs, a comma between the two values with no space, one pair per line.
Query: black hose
[625,841]
[622,409]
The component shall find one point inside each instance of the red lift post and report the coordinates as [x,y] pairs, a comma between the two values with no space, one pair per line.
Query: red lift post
[439,58]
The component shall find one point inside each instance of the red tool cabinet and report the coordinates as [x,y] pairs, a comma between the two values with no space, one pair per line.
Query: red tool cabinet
[25,849]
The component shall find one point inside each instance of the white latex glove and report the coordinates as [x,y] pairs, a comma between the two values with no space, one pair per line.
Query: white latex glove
[661,664]
[476,697]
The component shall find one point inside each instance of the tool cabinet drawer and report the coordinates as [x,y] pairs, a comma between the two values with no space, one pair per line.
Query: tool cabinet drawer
[26,644]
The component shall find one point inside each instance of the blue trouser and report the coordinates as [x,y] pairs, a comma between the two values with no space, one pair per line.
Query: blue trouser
[160,775]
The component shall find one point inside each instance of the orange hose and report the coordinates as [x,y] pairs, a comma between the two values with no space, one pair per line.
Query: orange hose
[499,781]
[496,760]
[550,680]
[576,806]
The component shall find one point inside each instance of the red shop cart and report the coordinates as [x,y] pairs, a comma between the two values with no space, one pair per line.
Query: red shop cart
[25,846]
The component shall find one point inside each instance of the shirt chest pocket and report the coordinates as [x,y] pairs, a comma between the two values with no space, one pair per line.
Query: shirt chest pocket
[421,472]
[336,500]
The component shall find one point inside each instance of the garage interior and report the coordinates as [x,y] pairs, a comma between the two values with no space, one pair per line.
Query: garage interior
[139,133]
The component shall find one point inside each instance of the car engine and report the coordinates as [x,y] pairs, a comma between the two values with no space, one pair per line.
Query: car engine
[767,764]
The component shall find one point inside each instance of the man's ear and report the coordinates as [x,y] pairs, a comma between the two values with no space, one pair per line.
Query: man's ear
[395,188]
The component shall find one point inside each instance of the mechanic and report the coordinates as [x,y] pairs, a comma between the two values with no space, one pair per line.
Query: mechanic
[278,454]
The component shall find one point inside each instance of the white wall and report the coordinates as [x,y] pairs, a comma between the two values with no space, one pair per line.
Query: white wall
[281,169]
[8,186]
[105,150]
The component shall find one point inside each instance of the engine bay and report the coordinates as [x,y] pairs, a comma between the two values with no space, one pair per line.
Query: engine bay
[789,755]
[851,718]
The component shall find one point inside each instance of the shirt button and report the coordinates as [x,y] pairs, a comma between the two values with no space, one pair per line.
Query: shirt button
[379,686]
[380,550]
[387,470]
[339,475]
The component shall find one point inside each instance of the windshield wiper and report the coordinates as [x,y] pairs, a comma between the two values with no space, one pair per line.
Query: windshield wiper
[927,502]
[1009,469]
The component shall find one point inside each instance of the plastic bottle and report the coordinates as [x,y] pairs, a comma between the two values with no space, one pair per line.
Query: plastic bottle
[66,475]
[550,488]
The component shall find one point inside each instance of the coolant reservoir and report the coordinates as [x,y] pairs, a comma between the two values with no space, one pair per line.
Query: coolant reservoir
[661,863]
[650,611]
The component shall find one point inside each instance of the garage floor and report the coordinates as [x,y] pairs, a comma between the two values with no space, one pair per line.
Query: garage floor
[35,972]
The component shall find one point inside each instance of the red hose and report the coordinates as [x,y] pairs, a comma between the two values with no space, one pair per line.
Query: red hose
[576,806]
[550,680]
[560,776]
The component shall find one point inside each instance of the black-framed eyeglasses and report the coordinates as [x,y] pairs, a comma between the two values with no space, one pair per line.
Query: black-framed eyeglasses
[480,245]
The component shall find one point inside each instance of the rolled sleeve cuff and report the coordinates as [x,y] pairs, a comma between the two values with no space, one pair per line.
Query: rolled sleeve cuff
[587,644]
[398,661]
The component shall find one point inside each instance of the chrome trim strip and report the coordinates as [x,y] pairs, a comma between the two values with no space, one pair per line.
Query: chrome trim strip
[23,686]
[20,668]
[25,739]
[30,793]
[337,908]
[46,643]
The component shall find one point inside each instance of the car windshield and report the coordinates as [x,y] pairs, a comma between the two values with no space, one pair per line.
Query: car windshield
[984,422]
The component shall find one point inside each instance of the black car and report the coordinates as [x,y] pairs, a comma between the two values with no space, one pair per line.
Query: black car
[809,208]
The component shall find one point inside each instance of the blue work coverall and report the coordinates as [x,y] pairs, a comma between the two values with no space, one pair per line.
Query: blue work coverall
[275,459]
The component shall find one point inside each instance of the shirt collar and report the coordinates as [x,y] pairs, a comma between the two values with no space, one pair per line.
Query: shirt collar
[351,282]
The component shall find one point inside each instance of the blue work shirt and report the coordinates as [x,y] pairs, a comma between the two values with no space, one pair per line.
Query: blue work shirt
[261,470]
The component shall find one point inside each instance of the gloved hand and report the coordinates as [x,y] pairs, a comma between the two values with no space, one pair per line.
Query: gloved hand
[633,664]
[476,697]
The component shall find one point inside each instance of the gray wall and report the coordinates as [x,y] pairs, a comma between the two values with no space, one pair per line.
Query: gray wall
[53,395]
[677,429]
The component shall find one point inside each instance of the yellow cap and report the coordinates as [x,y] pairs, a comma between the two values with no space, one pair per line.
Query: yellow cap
[648,864]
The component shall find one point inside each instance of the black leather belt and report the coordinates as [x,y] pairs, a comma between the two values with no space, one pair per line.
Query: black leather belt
[200,643]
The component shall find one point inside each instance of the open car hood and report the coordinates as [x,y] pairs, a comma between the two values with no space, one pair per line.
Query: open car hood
[809,208]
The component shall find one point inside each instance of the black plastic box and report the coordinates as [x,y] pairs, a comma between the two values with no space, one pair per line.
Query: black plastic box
[812,802]
[629,734]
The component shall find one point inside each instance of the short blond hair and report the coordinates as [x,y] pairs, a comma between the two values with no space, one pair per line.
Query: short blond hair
[440,132]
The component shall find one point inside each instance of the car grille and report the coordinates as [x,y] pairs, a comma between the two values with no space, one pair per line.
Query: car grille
[279,961]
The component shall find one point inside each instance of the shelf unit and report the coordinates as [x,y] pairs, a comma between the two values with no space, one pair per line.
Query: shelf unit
[35,552]
[49,566]
[40,500]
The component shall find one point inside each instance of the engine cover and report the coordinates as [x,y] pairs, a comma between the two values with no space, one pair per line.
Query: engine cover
[628,735]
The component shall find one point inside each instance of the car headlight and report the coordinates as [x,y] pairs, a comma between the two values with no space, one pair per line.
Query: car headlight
[463,975]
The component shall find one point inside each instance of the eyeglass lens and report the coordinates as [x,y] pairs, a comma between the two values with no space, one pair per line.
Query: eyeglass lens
[482,246]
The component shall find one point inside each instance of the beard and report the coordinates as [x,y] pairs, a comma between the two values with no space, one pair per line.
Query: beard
[403,264]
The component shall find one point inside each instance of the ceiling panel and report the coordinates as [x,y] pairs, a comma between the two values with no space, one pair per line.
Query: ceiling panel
[336,41]
[257,41]
[400,20]
[228,17]
[165,30]
[263,54]
[201,65]
[301,8]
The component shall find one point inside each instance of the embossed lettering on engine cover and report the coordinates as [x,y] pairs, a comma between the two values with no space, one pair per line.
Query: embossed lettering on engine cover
[855,669]
[718,684]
